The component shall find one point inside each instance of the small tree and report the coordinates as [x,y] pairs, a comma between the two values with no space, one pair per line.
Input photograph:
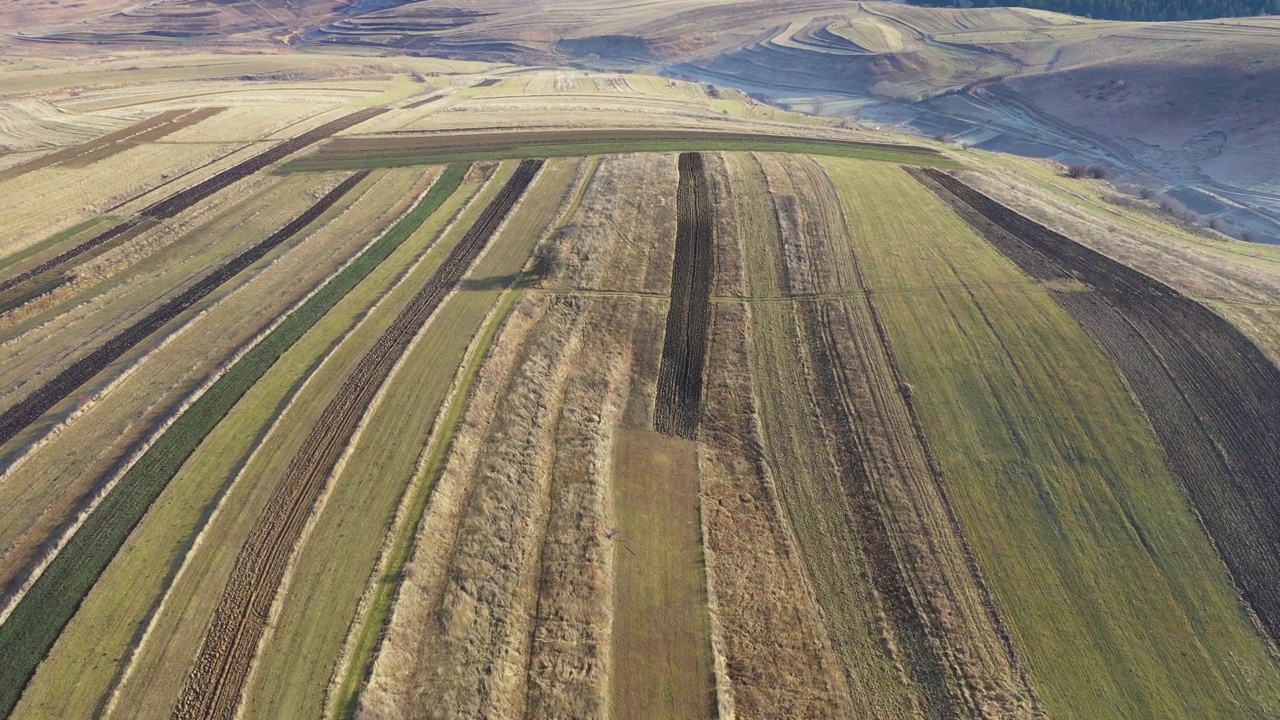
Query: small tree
[547,261]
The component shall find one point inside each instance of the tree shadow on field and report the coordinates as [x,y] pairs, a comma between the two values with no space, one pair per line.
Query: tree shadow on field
[495,282]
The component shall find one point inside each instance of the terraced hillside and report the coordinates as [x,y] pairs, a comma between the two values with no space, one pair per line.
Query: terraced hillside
[451,390]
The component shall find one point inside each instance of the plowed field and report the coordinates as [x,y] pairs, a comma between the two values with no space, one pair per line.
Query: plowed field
[679,401]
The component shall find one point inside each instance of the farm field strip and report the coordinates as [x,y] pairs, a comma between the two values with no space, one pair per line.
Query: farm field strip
[810,488]
[36,621]
[153,128]
[116,615]
[366,152]
[679,401]
[356,512]
[572,633]
[464,642]
[187,197]
[820,256]
[69,235]
[184,199]
[270,433]
[1091,552]
[951,637]
[76,453]
[521,544]
[1213,398]
[369,629]
[214,686]
[106,294]
[774,641]
[26,411]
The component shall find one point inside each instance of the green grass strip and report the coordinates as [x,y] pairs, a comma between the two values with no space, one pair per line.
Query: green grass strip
[32,293]
[30,632]
[379,614]
[386,159]
[52,240]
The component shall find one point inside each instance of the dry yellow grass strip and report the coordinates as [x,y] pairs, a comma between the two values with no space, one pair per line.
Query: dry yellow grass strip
[458,644]
[779,660]
[569,673]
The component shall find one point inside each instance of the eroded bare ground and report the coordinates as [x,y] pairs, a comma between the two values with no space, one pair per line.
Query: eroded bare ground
[1212,396]
[941,629]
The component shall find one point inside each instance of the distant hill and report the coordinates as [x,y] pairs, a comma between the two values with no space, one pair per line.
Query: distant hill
[1144,10]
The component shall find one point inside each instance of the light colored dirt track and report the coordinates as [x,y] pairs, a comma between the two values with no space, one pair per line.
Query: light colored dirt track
[214,686]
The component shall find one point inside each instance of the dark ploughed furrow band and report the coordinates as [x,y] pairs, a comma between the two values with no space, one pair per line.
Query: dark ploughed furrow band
[678,406]
[29,409]
[1213,398]
[63,258]
[214,686]
[184,199]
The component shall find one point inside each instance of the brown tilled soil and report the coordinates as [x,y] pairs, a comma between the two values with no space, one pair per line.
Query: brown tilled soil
[678,405]
[213,688]
[1212,396]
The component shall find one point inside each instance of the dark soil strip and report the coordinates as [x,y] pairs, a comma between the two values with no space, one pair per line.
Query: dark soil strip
[91,155]
[215,684]
[1212,396]
[150,129]
[49,605]
[678,406]
[116,234]
[184,199]
[18,298]
[29,409]
[423,102]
